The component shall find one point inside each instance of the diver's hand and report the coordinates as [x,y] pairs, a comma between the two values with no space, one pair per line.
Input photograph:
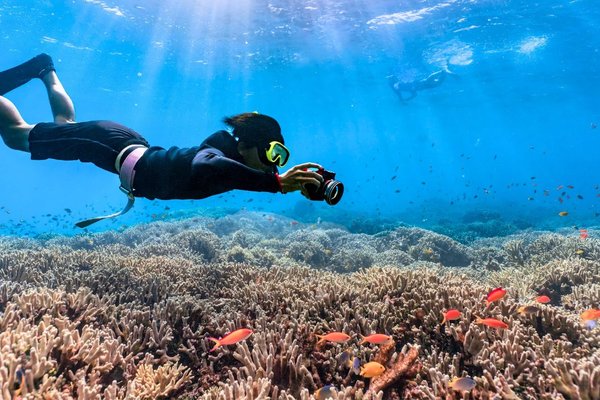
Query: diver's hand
[299,175]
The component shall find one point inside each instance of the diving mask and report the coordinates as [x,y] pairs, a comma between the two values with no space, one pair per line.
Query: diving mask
[276,153]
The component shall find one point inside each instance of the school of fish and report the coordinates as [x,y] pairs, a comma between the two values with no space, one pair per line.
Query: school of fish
[374,369]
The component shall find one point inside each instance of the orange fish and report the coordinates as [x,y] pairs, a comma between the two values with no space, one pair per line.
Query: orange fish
[583,233]
[495,295]
[231,338]
[376,338]
[528,310]
[563,214]
[590,315]
[492,323]
[451,315]
[543,299]
[371,369]
[559,187]
[336,337]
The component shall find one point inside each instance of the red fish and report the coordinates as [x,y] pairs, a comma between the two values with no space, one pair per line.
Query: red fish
[376,338]
[231,338]
[543,299]
[451,315]
[336,337]
[583,233]
[495,295]
[492,323]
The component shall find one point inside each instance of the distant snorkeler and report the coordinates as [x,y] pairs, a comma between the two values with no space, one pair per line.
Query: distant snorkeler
[408,90]
[245,157]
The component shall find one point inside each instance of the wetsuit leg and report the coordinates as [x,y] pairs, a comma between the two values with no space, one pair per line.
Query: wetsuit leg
[98,142]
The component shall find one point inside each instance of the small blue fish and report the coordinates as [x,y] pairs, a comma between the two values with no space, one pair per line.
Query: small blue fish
[20,380]
[347,359]
[463,384]
[356,365]
[590,324]
[344,357]
[325,392]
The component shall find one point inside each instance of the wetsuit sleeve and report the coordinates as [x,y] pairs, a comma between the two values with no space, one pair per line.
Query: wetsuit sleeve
[213,173]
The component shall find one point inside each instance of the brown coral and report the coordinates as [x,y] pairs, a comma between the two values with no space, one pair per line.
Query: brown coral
[405,366]
[127,313]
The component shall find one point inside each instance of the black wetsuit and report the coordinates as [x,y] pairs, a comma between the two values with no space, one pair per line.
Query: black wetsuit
[197,172]
[176,173]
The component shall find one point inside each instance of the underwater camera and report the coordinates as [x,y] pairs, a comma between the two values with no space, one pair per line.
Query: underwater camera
[330,190]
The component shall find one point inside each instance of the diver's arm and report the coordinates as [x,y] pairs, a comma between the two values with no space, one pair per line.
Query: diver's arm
[217,174]
[400,87]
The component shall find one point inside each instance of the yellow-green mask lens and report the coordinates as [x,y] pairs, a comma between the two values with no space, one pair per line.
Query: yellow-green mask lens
[277,153]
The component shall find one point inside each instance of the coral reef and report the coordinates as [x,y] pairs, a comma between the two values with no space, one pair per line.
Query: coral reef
[127,315]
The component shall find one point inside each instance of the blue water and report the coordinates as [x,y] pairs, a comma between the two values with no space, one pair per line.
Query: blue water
[517,120]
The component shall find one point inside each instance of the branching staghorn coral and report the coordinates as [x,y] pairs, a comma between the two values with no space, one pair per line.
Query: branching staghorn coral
[586,295]
[86,316]
[155,383]
[279,365]
[576,379]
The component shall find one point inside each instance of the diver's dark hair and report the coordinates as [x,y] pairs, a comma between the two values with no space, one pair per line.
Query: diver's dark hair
[254,128]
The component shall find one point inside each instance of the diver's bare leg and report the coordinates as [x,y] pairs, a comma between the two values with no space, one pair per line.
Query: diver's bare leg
[13,129]
[60,102]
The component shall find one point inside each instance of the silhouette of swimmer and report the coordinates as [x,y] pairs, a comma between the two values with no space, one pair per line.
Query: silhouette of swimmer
[412,87]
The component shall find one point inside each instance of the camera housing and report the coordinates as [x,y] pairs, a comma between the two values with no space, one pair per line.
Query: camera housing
[330,190]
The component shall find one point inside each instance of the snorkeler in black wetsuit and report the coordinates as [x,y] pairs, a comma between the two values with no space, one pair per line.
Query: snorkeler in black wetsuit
[245,158]
[411,88]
